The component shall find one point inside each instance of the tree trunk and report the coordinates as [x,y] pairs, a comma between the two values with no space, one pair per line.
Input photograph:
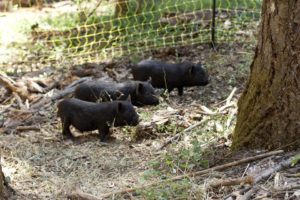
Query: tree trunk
[3,191]
[269,108]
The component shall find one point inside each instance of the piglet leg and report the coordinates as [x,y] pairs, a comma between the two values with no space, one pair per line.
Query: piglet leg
[103,132]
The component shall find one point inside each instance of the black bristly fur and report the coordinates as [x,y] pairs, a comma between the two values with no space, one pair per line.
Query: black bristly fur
[169,75]
[142,93]
[88,116]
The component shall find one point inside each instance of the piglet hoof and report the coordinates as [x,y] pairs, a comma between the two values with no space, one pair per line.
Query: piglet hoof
[102,138]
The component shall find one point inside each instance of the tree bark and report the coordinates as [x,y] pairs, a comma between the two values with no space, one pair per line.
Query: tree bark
[269,108]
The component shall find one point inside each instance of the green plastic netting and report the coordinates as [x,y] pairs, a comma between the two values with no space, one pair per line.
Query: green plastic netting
[60,32]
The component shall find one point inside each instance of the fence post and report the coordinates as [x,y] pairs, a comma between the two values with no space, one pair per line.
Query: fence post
[213,22]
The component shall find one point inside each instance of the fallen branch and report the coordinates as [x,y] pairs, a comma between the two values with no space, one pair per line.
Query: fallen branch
[225,107]
[69,89]
[78,194]
[237,181]
[249,159]
[265,174]
[99,3]
[181,133]
[268,172]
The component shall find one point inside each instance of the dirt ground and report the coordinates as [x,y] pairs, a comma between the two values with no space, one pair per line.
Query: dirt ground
[41,165]
[44,166]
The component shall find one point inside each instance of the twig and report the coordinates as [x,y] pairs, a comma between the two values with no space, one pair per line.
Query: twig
[69,89]
[19,100]
[81,80]
[237,193]
[27,128]
[220,167]
[268,172]
[292,175]
[78,194]
[245,170]
[205,109]
[230,96]
[225,107]
[248,194]
[99,3]
[215,113]
[227,99]
[287,187]
[181,133]
[219,103]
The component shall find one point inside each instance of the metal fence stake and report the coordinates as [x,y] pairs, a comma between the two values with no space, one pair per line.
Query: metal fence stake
[213,22]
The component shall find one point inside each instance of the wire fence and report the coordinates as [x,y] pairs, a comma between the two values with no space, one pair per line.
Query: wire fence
[89,31]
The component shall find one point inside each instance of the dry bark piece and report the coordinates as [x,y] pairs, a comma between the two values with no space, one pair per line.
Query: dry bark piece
[14,87]
[237,181]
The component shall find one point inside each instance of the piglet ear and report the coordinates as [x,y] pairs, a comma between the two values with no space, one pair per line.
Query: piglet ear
[128,98]
[119,107]
[139,88]
[149,79]
[191,69]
